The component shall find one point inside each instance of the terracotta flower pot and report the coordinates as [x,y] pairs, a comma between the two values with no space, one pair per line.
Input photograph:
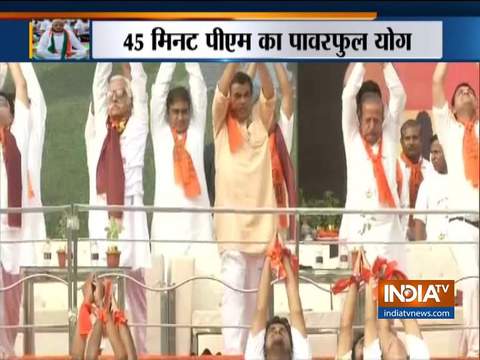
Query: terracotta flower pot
[62,258]
[113,257]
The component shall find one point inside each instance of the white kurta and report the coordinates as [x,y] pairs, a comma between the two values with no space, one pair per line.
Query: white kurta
[42,50]
[461,193]
[433,195]
[132,145]
[35,222]
[362,190]
[188,227]
[12,256]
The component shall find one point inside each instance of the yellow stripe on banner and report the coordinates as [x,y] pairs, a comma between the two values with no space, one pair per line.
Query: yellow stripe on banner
[111,15]
[30,40]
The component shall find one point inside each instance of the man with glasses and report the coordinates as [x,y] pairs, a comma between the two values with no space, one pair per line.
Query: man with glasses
[116,136]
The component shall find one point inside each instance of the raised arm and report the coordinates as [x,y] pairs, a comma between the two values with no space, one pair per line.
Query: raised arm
[263,299]
[438,82]
[285,89]
[38,106]
[158,102]
[398,97]
[198,93]
[220,99]
[21,92]
[370,314]
[293,296]
[252,70]
[99,91]
[396,104]
[349,102]
[139,92]
[345,338]
[3,74]
[267,96]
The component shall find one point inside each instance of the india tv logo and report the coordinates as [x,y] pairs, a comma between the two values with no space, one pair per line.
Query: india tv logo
[416,299]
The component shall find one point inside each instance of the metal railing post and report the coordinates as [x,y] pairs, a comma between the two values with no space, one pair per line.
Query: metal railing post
[72,247]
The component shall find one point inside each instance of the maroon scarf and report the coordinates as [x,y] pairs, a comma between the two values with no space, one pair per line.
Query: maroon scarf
[110,174]
[288,174]
[13,166]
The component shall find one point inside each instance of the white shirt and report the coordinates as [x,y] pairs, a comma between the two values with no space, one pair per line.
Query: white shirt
[416,348]
[58,38]
[179,226]
[362,190]
[254,348]
[433,195]
[372,351]
[13,255]
[461,193]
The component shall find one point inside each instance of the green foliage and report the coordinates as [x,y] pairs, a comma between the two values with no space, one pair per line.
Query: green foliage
[328,200]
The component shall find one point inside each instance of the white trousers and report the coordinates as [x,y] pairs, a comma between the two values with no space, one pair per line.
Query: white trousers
[466,257]
[241,271]
[10,302]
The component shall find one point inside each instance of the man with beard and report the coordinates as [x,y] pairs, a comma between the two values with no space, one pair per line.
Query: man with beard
[413,168]
[458,132]
[275,338]
[59,43]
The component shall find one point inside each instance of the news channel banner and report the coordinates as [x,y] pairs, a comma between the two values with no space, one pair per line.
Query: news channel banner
[369,34]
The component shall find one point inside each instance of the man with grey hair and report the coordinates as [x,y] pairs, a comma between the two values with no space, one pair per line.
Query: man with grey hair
[116,137]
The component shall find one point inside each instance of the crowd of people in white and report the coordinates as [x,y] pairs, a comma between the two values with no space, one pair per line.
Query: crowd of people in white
[252,169]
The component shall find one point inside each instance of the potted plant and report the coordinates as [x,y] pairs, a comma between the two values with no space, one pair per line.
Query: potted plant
[322,225]
[61,231]
[113,232]
[329,224]
[62,256]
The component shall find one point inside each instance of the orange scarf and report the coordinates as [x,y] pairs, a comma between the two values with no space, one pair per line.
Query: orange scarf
[384,193]
[235,138]
[184,171]
[399,177]
[470,151]
[416,178]
[278,180]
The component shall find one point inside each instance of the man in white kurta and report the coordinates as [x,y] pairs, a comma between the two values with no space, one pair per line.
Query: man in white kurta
[12,255]
[186,227]
[178,115]
[433,195]
[451,127]
[135,252]
[362,189]
[54,42]
[35,222]
[411,162]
